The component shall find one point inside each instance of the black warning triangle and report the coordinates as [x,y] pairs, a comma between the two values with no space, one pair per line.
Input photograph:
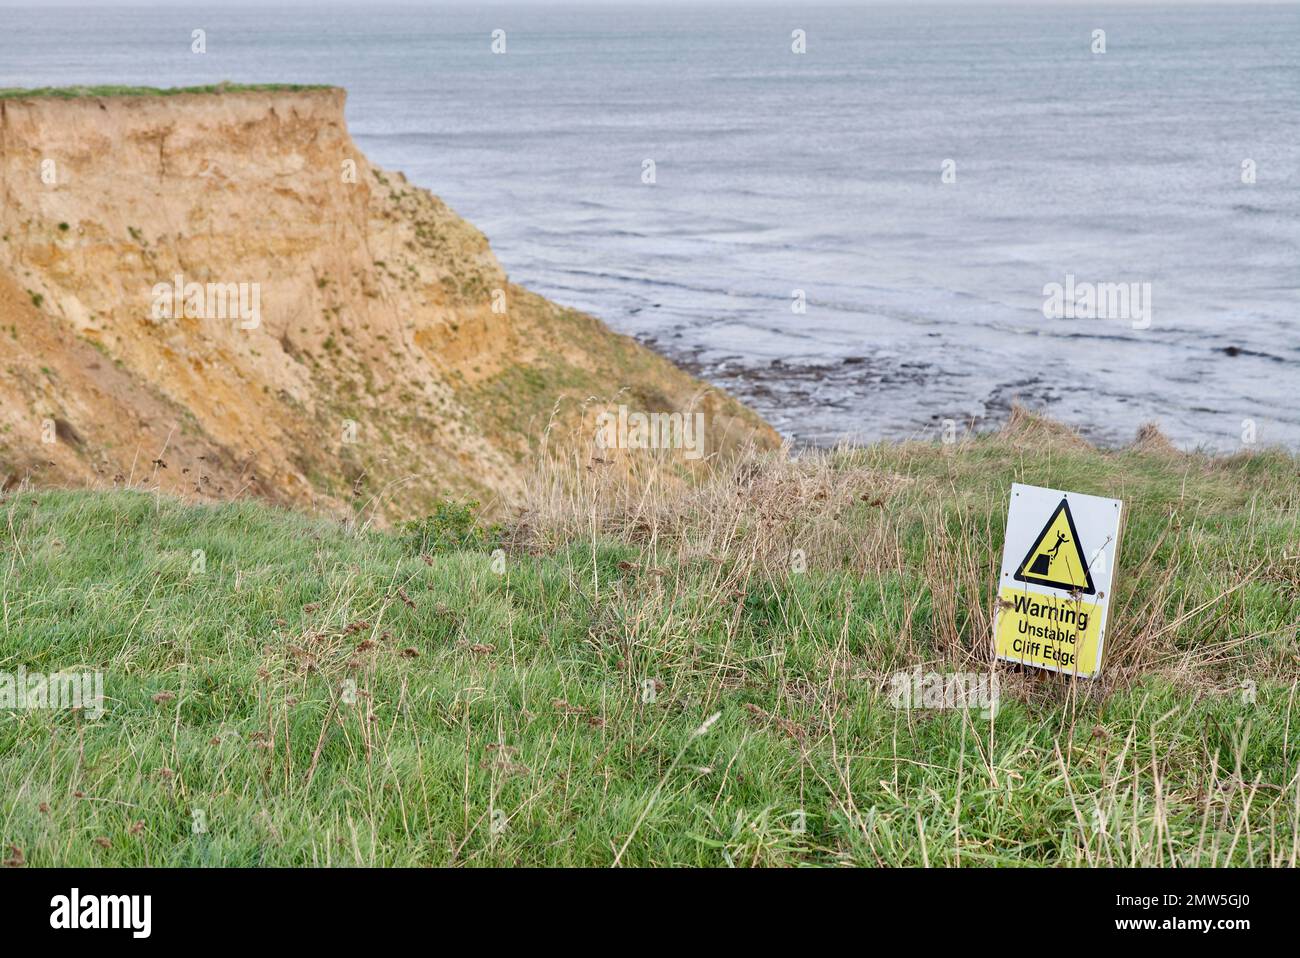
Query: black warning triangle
[1056,557]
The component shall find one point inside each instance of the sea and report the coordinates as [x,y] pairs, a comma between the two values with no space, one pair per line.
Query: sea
[853,217]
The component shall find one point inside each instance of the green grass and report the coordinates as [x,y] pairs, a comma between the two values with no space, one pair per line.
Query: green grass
[75,92]
[519,698]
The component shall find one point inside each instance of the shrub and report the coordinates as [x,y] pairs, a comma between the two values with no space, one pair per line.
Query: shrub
[451,527]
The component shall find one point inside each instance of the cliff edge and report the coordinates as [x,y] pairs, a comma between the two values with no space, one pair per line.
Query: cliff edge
[219,293]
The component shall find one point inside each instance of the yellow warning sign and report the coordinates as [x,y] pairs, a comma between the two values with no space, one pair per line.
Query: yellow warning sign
[1054,587]
[1056,559]
[1055,633]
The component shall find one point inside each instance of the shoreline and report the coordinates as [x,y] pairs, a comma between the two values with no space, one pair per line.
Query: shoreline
[760,388]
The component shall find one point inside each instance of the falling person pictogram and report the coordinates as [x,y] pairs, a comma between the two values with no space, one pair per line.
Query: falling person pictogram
[1047,565]
[1043,561]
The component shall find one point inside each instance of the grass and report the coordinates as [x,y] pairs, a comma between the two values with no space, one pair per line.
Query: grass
[649,681]
[75,92]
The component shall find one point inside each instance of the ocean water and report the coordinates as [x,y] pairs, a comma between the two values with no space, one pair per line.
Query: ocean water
[821,172]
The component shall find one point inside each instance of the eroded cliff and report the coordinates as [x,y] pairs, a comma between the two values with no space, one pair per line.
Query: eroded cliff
[218,293]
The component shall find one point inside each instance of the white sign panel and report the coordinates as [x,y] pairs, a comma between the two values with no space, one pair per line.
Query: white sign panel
[1054,587]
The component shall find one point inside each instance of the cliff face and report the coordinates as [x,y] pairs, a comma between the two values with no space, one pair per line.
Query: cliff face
[219,292]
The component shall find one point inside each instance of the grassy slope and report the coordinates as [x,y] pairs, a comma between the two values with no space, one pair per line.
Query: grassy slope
[525,695]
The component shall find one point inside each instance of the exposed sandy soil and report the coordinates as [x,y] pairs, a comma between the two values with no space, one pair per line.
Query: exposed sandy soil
[378,371]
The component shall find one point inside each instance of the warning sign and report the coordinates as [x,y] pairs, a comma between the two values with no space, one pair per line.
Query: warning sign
[1046,564]
[1055,582]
